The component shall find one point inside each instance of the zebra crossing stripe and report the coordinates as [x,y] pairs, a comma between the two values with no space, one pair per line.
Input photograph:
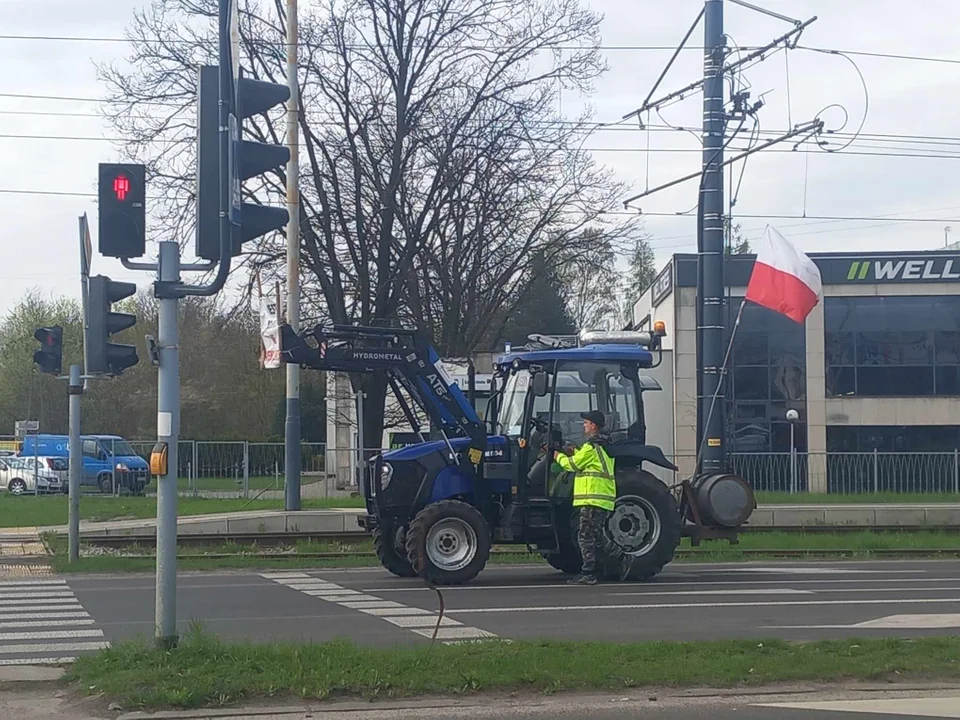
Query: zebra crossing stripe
[66,622]
[43,623]
[419,621]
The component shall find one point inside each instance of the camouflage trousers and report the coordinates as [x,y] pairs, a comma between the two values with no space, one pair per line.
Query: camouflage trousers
[590,536]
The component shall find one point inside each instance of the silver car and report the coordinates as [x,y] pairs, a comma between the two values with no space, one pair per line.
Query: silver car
[21,475]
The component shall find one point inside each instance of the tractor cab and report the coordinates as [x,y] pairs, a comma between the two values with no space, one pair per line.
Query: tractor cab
[547,388]
[558,392]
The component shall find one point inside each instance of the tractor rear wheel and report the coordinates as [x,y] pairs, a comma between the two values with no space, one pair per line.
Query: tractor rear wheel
[391,557]
[643,532]
[449,542]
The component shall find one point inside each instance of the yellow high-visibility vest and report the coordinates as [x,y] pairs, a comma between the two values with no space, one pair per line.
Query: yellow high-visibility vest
[594,483]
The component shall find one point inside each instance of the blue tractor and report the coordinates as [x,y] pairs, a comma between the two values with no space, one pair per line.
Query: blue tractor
[436,508]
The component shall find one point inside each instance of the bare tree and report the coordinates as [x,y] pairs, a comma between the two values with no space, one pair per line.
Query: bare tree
[434,164]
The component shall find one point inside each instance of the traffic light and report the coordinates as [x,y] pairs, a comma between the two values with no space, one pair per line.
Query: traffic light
[105,357]
[207,244]
[121,192]
[50,355]
[249,159]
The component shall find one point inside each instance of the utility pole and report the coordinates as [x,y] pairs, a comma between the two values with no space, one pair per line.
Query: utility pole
[711,322]
[168,431]
[292,431]
[711,407]
[75,391]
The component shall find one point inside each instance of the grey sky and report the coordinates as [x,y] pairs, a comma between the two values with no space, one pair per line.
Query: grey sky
[39,233]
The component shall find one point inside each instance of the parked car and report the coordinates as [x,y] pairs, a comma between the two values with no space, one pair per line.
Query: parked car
[108,460]
[22,475]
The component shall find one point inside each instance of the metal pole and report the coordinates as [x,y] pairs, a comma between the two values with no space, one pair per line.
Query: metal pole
[361,444]
[292,426]
[956,471]
[168,431]
[36,460]
[711,252]
[793,460]
[75,390]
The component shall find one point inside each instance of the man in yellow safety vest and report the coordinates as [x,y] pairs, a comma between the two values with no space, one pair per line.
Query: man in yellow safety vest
[594,491]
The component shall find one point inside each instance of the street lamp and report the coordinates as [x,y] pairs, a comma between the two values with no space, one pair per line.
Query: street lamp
[793,416]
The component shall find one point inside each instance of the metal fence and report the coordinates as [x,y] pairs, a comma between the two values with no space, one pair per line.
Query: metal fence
[234,469]
[229,469]
[854,473]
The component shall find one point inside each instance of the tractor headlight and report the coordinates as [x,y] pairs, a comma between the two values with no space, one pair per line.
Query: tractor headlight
[386,475]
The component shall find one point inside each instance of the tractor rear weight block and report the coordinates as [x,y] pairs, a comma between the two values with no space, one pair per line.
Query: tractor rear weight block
[722,499]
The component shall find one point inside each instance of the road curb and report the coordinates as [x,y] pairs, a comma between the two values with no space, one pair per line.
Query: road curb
[652,695]
[29,674]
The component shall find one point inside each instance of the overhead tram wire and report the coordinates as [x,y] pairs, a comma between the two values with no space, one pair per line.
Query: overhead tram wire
[492,48]
[611,126]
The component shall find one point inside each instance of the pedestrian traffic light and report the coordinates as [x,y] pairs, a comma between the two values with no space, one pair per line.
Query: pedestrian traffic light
[207,244]
[249,159]
[50,355]
[103,356]
[121,193]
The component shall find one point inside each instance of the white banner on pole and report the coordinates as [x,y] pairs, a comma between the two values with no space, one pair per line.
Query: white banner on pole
[270,330]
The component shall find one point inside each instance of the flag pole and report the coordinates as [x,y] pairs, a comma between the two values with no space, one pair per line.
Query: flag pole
[723,370]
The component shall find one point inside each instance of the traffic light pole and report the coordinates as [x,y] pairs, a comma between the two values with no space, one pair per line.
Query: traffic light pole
[75,391]
[292,429]
[168,431]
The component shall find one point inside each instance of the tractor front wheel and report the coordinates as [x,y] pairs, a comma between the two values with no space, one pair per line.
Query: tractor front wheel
[449,542]
[391,557]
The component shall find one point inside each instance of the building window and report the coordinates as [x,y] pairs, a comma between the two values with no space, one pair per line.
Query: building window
[892,346]
[766,377]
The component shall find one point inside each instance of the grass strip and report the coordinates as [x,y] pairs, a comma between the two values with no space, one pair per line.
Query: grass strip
[206,671]
[238,556]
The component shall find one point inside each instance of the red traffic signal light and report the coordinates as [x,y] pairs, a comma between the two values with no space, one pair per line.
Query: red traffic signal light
[121,187]
[121,195]
[50,357]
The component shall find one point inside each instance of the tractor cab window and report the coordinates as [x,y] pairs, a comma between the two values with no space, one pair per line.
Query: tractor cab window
[582,387]
[514,400]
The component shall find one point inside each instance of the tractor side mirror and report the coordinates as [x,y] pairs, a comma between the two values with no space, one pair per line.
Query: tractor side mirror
[540,384]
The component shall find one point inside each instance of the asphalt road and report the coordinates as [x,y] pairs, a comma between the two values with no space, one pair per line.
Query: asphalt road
[800,601]
[53,619]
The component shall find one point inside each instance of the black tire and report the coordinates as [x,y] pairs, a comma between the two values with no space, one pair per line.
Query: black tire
[105,483]
[569,562]
[567,557]
[449,518]
[640,497]
[388,554]
[17,487]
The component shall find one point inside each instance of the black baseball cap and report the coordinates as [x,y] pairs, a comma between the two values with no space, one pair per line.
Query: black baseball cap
[596,417]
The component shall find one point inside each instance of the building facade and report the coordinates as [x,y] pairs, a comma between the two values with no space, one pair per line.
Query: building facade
[873,375]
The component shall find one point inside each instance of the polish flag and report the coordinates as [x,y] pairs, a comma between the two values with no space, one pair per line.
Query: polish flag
[784,279]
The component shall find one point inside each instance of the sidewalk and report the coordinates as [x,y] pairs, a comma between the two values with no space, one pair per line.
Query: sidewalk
[44,703]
